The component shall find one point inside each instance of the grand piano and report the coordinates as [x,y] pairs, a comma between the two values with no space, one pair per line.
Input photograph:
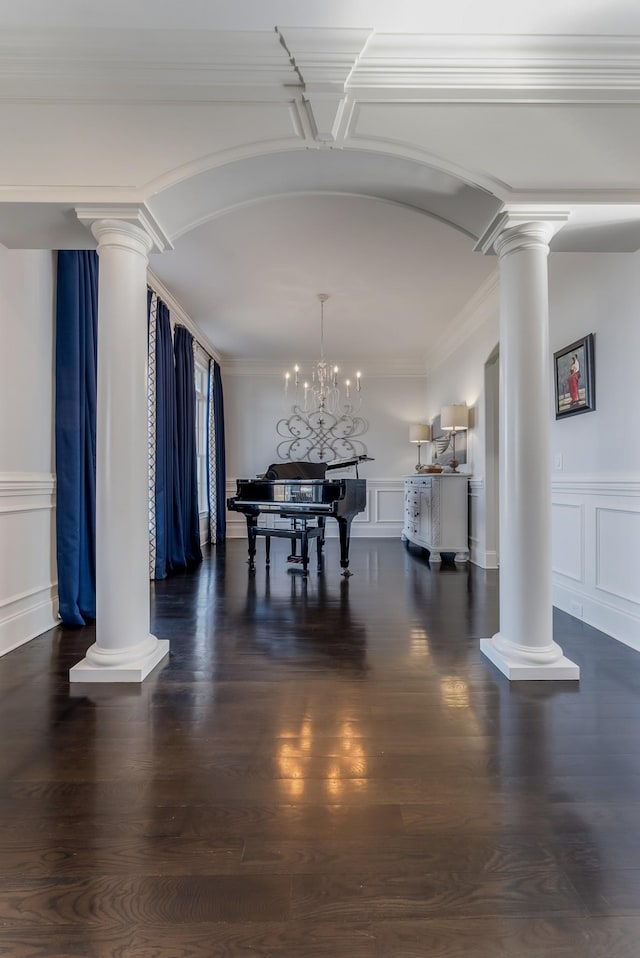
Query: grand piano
[300,492]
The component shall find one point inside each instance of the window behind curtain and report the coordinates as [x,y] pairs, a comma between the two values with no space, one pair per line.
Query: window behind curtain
[202,378]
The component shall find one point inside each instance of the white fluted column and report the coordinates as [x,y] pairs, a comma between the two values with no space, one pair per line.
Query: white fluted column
[124,650]
[524,646]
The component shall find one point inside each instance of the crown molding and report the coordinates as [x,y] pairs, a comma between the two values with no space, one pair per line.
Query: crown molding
[376,369]
[324,60]
[178,314]
[482,306]
[513,216]
[564,199]
[154,65]
[135,214]
[548,65]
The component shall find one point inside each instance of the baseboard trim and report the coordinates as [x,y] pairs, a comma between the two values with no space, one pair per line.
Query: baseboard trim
[615,622]
[25,616]
[483,559]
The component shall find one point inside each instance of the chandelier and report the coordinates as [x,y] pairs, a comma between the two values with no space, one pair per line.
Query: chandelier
[321,387]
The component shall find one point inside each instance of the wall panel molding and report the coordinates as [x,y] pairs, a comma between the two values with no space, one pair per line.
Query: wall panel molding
[569,539]
[604,591]
[597,485]
[26,491]
[28,590]
[618,552]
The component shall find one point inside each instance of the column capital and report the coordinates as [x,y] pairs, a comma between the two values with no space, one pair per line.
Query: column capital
[130,226]
[521,228]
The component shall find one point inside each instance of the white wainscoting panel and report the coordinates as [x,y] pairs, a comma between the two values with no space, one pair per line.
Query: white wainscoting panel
[382,517]
[387,499]
[479,554]
[476,501]
[28,590]
[596,552]
[568,540]
[618,552]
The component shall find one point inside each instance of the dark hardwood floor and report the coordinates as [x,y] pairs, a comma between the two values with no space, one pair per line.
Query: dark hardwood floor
[322,768]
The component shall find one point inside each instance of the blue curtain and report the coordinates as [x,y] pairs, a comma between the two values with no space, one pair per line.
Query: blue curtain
[211,458]
[221,465]
[75,433]
[170,553]
[187,451]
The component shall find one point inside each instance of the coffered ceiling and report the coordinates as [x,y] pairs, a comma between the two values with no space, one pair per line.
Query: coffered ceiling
[283,148]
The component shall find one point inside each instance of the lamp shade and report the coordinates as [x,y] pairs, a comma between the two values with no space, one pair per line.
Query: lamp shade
[454,417]
[421,433]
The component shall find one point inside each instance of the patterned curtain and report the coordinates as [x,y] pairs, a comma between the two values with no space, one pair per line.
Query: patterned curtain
[152,312]
[211,459]
[220,502]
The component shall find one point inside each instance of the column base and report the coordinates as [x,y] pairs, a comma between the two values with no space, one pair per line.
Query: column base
[517,668]
[135,671]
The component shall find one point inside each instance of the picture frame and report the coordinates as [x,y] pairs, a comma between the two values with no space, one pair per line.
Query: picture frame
[575,378]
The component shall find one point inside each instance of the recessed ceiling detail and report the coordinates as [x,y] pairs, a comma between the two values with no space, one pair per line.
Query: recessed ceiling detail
[193,201]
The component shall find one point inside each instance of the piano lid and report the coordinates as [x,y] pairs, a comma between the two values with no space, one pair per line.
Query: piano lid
[296,470]
[311,470]
[347,461]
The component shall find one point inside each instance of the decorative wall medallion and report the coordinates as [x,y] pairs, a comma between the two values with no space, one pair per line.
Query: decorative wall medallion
[321,436]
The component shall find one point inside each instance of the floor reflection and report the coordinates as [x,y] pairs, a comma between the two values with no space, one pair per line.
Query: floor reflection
[312,617]
[304,734]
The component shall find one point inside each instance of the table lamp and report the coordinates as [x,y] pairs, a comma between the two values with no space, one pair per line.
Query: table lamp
[419,434]
[452,418]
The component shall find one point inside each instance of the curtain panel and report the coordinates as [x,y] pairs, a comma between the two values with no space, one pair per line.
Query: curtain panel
[220,456]
[75,433]
[174,533]
[211,459]
[166,529]
[187,451]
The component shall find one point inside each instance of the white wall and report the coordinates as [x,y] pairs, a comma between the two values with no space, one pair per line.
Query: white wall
[28,592]
[596,455]
[596,481]
[600,293]
[255,401]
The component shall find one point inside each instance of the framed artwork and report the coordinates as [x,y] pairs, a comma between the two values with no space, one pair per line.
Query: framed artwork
[575,377]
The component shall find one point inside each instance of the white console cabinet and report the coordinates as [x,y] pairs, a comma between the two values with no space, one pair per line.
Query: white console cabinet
[436,514]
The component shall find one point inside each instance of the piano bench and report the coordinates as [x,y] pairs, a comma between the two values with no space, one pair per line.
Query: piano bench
[295,534]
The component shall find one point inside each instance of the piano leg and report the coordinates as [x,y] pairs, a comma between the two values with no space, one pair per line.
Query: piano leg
[252,522]
[293,555]
[320,545]
[344,528]
[267,550]
[304,548]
